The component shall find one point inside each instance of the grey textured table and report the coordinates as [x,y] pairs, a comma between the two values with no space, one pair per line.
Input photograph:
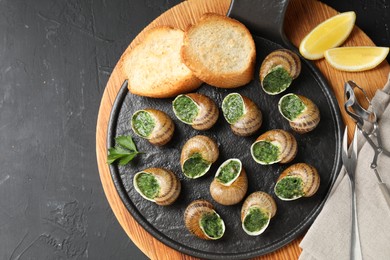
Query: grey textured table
[55,59]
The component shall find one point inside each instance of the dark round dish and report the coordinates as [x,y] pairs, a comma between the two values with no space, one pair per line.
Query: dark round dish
[319,148]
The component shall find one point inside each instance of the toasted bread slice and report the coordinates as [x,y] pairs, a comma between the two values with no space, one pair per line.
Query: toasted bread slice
[220,51]
[154,67]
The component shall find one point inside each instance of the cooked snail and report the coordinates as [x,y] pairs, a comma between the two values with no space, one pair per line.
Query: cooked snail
[300,111]
[197,155]
[298,180]
[242,114]
[256,213]
[158,185]
[274,146]
[278,70]
[196,110]
[230,183]
[153,125]
[203,221]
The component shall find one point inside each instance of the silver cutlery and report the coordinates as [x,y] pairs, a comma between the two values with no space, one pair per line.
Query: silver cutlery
[349,162]
[362,116]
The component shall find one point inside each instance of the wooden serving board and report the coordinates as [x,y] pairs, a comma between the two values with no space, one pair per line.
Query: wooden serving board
[301,17]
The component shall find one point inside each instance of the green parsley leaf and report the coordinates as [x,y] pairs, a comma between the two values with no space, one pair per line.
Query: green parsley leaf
[126,159]
[123,152]
[126,142]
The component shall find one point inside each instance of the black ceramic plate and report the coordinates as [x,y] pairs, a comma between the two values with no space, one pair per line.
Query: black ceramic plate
[320,148]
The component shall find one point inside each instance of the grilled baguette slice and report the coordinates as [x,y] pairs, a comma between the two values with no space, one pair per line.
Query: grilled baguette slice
[220,51]
[154,67]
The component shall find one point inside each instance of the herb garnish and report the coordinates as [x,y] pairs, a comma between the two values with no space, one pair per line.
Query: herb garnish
[124,150]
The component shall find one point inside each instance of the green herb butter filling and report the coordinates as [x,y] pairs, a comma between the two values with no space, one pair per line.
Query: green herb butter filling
[291,106]
[142,123]
[195,166]
[185,109]
[229,171]
[265,152]
[147,185]
[233,107]
[255,220]
[212,225]
[289,188]
[276,81]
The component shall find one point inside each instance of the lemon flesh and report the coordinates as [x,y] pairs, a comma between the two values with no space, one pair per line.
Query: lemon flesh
[328,34]
[356,58]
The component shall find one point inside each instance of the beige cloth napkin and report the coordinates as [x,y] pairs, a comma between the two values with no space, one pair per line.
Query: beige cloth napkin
[329,236]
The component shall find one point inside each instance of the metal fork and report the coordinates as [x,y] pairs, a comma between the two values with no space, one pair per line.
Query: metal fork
[349,161]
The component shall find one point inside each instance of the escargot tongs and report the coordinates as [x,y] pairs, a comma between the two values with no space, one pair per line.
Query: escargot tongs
[363,118]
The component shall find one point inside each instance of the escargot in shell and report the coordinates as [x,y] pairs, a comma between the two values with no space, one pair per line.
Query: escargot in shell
[203,221]
[230,183]
[154,125]
[242,114]
[197,155]
[300,111]
[256,213]
[298,180]
[278,70]
[157,185]
[274,146]
[196,110]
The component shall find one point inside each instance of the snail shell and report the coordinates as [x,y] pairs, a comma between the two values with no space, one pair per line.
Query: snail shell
[242,114]
[193,215]
[233,191]
[285,142]
[302,179]
[159,126]
[201,150]
[262,202]
[168,185]
[307,119]
[204,110]
[279,59]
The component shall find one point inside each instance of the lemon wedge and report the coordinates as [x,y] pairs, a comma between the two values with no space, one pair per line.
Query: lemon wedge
[356,58]
[328,34]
